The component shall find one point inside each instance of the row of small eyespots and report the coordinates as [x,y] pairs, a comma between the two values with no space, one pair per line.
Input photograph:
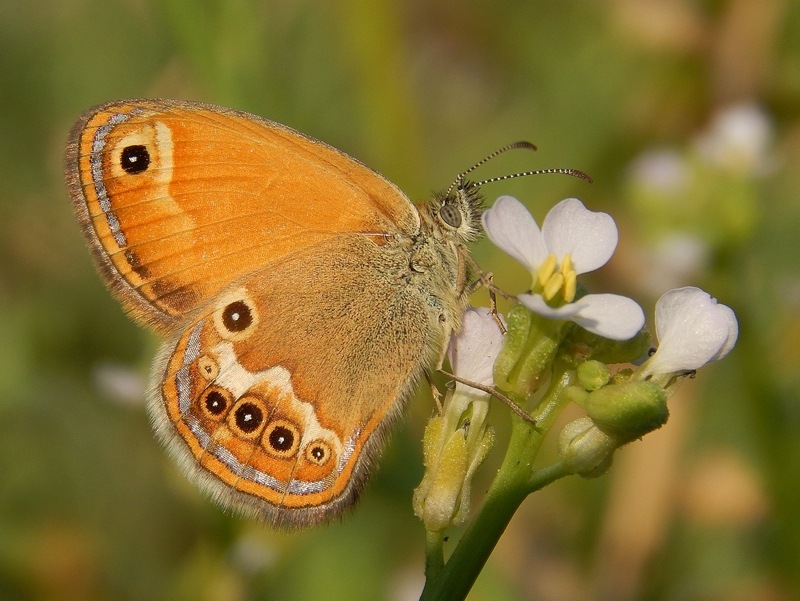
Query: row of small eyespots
[236,320]
[246,418]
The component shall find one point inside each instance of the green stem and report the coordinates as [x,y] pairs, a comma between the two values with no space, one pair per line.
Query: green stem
[434,554]
[515,479]
[547,475]
[504,497]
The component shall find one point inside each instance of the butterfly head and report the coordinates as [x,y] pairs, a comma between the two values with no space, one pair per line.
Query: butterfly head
[456,213]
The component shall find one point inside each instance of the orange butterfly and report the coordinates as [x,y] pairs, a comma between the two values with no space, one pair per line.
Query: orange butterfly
[302,294]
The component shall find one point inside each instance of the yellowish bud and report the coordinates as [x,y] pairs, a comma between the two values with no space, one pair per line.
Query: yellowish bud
[586,449]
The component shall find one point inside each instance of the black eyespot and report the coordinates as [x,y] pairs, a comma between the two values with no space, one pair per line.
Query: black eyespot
[215,402]
[281,439]
[134,159]
[248,417]
[237,316]
[450,214]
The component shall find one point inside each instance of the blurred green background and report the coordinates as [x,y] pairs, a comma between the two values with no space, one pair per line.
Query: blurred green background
[687,115]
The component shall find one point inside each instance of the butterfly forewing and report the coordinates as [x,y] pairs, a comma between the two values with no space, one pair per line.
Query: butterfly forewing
[178,199]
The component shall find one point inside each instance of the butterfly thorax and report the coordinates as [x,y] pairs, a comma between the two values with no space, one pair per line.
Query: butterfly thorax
[439,256]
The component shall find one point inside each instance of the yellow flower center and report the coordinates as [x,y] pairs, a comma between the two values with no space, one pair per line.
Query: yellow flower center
[554,281]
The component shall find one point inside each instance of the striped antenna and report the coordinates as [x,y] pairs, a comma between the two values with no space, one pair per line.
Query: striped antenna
[496,153]
[561,170]
[514,145]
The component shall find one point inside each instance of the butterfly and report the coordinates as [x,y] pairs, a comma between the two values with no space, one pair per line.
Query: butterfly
[302,295]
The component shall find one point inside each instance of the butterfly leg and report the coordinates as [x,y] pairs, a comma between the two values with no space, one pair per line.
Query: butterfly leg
[435,392]
[519,411]
[486,280]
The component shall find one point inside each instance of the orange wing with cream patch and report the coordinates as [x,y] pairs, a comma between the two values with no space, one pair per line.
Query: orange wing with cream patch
[278,396]
[179,199]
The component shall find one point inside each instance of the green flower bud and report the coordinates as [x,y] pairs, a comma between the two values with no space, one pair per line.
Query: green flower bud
[629,410]
[593,375]
[451,459]
[585,449]
[530,345]
[436,498]
[476,454]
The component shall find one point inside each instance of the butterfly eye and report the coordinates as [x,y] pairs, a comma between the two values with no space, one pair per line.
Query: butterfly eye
[450,215]
[282,438]
[135,159]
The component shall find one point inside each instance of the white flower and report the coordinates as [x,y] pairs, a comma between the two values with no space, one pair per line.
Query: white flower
[473,351]
[608,315]
[739,140]
[661,170]
[692,329]
[455,448]
[572,241]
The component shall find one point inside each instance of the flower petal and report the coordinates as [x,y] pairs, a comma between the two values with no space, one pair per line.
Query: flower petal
[472,352]
[537,304]
[692,329]
[510,226]
[589,237]
[608,315]
[733,332]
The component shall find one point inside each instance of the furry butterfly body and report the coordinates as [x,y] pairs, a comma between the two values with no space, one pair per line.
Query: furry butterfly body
[302,294]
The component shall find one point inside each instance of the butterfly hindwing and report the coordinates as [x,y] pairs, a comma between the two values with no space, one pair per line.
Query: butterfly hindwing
[284,387]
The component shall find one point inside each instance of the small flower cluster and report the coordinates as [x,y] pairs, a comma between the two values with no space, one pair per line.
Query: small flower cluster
[558,347]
